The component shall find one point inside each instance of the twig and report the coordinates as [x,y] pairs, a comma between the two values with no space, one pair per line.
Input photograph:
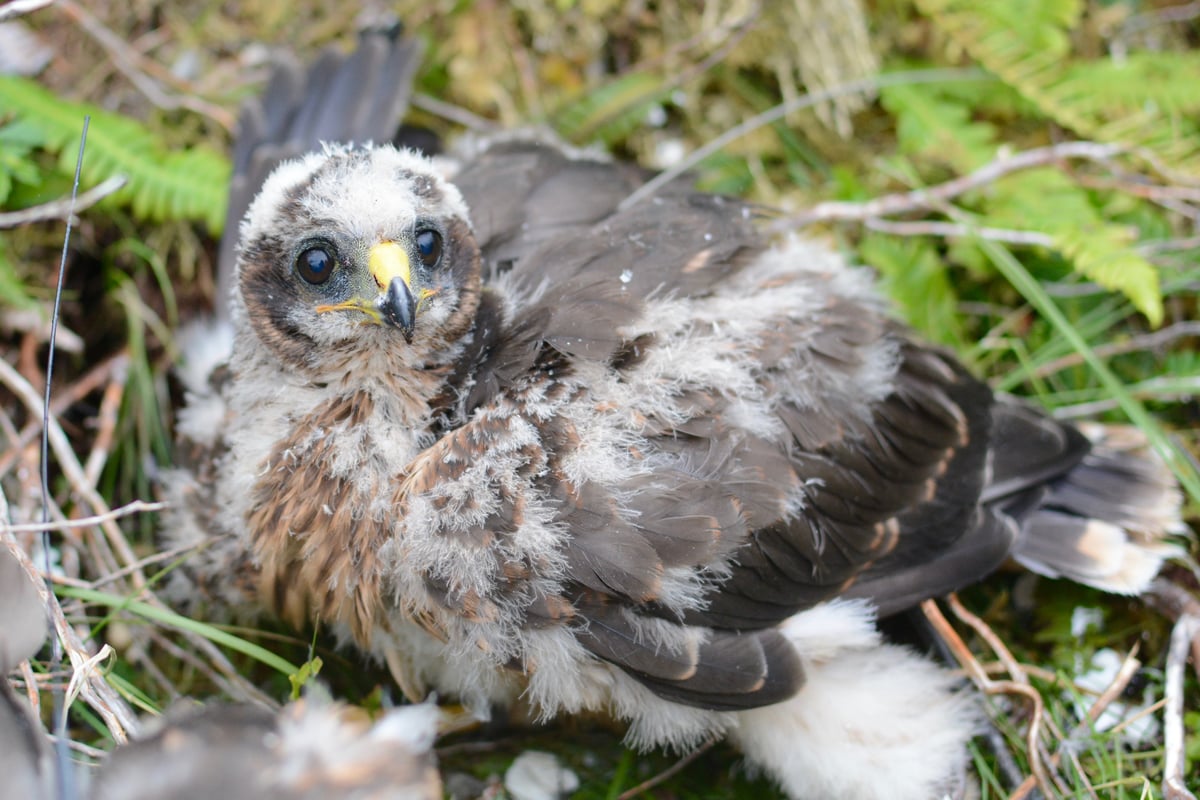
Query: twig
[666,774]
[952,230]
[106,426]
[453,113]
[135,507]
[71,467]
[123,58]
[1182,636]
[64,208]
[1146,341]
[977,674]
[63,399]
[980,627]
[934,196]
[95,691]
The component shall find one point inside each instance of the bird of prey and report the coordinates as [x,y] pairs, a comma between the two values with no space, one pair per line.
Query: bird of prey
[529,443]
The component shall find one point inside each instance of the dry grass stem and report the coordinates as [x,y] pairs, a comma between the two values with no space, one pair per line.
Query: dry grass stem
[95,691]
[135,507]
[936,196]
[61,209]
[72,469]
[136,68]
[987,685]
[1182,637]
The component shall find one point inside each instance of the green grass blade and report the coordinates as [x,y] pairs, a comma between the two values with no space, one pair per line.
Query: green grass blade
[164,616]
[1016,274]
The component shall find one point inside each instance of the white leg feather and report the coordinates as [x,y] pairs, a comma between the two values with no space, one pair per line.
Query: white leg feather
[873,720]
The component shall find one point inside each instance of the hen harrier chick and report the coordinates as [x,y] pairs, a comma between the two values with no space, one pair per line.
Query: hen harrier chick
[520,441]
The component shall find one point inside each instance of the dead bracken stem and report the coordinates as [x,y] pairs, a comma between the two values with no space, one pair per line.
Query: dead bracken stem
[988,686]
[1182,637]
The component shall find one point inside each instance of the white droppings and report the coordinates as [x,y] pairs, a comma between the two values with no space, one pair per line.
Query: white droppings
[1085,618]
[536,775]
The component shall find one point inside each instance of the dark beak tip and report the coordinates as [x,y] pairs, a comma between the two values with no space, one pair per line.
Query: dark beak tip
[399,307]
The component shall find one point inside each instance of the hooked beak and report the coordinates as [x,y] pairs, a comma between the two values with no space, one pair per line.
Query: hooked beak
[389,265]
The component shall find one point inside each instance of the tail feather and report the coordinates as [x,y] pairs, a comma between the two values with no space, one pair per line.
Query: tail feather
[1106,522]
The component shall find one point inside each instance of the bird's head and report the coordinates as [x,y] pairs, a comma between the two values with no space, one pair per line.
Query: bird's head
[356,249]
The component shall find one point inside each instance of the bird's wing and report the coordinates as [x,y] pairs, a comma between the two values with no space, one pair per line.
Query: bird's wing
[899,484]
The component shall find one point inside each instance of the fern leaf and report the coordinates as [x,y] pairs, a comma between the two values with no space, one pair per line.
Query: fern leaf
[937,127]
[1025,43]
[1103,255]
[161,184]
[1048,201]
[918,280]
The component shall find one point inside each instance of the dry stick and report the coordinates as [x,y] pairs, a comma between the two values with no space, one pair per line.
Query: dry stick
[61,209]
[150,560]
[126,61]
[1014,668]
[228,680]
[135,507]
[934,196]
[63,399]
[1182,636]
[988,686]
[1146,341]
[666,774]
[106,419]
[31,689]
[1173,601]
[71,467]
[1011,665]
[117,716]
[952,230]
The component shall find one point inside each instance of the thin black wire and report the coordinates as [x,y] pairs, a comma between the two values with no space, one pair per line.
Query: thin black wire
[62,761]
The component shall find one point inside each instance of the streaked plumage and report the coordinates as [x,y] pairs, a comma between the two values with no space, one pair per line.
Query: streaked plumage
[521,442]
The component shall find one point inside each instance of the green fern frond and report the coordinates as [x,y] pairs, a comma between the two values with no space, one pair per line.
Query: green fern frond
[1103,254]
[161,184]
[1164,82]
[918,280]
[1140,102]
[1048,201]
[938,127]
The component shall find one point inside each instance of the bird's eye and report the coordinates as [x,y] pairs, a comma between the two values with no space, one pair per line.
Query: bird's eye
[429,247]
[315,264]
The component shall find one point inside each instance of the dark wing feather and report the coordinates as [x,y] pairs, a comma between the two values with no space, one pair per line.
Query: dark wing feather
[880,498]
[713,669]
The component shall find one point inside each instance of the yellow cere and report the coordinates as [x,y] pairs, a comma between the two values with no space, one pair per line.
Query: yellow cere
[388,261]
